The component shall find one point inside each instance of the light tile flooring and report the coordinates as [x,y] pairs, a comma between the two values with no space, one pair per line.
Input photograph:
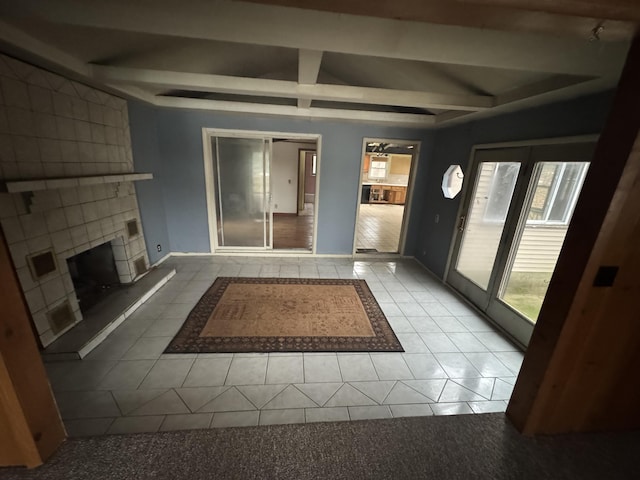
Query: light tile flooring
[379,227]
[455,362]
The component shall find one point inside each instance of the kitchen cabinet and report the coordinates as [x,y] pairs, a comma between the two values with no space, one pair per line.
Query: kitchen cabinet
[388,194]
[367,163]
[397,195]
[378,194]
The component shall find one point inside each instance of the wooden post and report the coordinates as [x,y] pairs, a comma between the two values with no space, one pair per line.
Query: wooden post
[30,425]
[581,369]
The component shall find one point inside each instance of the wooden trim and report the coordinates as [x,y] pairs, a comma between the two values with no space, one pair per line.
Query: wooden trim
[579,371]
[281,214]
[29,416]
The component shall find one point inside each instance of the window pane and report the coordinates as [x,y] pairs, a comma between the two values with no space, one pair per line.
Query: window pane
[567,189]
[481,238]
[541,196]
[538,247]
[500,191]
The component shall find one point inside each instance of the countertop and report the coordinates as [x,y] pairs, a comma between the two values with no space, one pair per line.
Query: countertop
[385,184]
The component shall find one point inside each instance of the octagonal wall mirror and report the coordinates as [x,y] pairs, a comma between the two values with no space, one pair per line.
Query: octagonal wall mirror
[452,181]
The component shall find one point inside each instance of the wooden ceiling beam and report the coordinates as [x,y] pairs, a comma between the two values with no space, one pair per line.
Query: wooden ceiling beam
[297,28]
[308,68]
[385,118]
[557,17]
[286,89]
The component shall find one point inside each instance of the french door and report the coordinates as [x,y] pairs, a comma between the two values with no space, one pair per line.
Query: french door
[241,166]
[515,215]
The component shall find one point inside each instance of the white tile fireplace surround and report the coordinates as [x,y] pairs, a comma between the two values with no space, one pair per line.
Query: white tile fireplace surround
[66,177]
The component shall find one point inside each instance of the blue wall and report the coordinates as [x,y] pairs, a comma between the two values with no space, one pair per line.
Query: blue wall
[144,144]
[177,161]
[168,143]
[581,116]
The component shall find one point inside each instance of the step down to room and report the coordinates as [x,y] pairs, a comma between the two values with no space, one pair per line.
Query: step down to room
[105,317]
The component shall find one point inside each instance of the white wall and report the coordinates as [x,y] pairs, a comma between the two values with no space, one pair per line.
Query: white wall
[284,181]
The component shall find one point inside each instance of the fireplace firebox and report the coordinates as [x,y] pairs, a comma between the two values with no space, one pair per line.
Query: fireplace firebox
[94,275]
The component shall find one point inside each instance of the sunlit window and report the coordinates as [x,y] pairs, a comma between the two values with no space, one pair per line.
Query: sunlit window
[378,169]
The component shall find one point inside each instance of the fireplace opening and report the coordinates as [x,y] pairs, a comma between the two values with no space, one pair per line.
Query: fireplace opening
[94,275]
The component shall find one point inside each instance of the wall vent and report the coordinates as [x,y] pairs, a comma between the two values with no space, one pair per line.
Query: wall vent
[42,264]
[132,228]
[61,317]
[140,266]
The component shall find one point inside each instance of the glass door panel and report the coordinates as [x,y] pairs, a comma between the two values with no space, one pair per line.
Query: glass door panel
[518,210]
[242,189]
[553,193]
[485,221]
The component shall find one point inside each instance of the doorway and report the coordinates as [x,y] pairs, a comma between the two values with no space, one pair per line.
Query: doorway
[294,178]
[252,185]
[514,217]
[385,185]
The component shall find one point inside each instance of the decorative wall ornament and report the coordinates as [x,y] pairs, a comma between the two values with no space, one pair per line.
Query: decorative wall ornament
[452,181]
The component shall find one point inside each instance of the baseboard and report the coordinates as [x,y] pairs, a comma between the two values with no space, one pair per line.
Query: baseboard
[161,260]
[266,253]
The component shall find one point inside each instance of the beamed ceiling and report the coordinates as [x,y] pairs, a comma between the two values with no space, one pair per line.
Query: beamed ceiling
[409,62]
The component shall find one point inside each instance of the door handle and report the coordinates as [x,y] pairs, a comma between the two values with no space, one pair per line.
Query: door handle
[461,223]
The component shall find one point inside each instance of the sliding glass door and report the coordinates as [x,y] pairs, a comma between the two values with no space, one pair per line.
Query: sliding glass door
[515,218]
[241,171]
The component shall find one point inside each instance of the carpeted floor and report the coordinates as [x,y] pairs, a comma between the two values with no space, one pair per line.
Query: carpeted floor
[239,314]
[460,447]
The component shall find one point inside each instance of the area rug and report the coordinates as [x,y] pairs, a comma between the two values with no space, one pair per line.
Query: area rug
[285,315]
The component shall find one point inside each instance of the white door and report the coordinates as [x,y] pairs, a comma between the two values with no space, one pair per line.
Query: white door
[515,216]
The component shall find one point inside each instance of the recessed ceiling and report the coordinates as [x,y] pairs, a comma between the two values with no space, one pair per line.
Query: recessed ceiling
[303,62]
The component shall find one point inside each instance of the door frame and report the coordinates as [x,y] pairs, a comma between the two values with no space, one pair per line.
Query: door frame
[521,334]
[410,188]
[210,188]
[302,172]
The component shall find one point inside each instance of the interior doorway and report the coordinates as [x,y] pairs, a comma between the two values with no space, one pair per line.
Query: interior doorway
[385,184]
[253,187]
[294,197]
[518,203]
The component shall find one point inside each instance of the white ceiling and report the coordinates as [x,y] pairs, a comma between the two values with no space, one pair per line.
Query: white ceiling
[236,56]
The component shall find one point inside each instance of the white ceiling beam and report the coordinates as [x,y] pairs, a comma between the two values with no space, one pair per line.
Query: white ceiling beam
[552,83]
[236,21]
[33,50]
[308,66]
[447,116]
[44,51]
[308,69]
[399,119]
[280,88]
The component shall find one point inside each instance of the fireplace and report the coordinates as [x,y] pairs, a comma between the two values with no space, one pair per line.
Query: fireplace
[94,275]
[66,193]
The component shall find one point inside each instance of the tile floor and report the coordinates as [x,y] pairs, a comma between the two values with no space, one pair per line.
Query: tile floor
[455,362]
[379,227]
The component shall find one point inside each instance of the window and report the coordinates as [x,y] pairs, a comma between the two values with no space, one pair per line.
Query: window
[556,192]
[314,160]
[378,168]
[503,182]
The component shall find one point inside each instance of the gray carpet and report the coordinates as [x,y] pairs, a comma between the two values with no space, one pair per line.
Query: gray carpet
[461,447]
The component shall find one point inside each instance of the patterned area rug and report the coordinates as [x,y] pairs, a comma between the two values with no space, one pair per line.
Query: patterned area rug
[285,315]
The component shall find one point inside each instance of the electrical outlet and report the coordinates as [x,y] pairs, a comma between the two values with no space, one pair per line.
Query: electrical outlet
[159,247]
[275,206]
